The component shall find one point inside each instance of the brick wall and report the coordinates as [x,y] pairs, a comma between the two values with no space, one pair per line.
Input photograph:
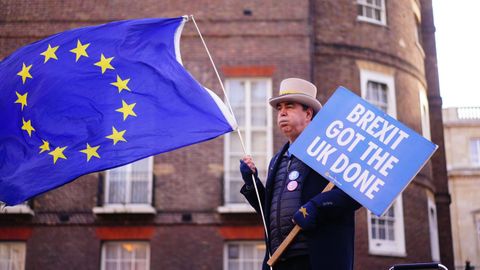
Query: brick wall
[320,40]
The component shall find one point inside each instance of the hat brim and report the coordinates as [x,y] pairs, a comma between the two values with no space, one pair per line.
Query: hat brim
[299,98]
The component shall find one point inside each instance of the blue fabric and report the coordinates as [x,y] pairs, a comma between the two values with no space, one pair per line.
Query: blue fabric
[306,216]
[72,102]
[331,242]
[247,173]
[284,204]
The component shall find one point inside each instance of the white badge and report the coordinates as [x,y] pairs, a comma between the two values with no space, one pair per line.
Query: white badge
[293,175]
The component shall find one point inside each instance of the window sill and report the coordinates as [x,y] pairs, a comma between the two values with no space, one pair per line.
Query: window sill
[17,209]
[372,21]
[237,208]
[124,209]
[387,253]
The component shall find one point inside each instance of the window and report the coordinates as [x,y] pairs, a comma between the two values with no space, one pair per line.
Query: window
[432,222]
[379,89]
[417,17]
[125,256]
[249,101]
[377,94]
[12,256]
[243,255]
[129,189]
[130,184]
[424,114]
[385,233]
[418,33]
[372,11]
[475,152]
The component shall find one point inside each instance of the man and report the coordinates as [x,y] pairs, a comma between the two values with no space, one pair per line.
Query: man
[293,194]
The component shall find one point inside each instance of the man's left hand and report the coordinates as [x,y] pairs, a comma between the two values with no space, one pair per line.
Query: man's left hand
[306,216]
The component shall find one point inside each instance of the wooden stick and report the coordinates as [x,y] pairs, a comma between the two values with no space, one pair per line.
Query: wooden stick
[293,233]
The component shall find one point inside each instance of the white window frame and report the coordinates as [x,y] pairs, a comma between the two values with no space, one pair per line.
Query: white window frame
[417,16]
[140,208]
[368,75]
[424,113]
[104,253]
[377,246]
[9,245]
[225,251]
[433,225]
[383,12]
[394,248]
[22,208]
[475,152]
[244,207]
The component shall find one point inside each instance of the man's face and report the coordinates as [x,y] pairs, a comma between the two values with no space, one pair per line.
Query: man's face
[292,119]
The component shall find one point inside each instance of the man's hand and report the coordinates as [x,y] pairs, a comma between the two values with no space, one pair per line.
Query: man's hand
[247,169]
[306,216]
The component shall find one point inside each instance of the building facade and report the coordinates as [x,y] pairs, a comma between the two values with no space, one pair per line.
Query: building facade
[183,210]
[462,144]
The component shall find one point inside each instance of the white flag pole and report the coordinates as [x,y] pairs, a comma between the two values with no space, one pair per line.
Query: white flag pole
[238,131]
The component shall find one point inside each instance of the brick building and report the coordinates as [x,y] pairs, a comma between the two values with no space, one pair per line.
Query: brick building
[182,210]
[462,145]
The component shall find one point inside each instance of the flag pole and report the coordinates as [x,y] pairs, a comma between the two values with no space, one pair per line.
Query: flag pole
[238,131]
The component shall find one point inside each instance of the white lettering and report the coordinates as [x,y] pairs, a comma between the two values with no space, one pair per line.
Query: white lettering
[374,188]
[374,125]
[332,131]
[310,151]
[381,133]
[371,146]
[340,164]
[401,136]
[356,168]
[327,151]
[365,119]
[365,180]
[358,137]
[378,157]
[388,165]
[354,115]
[345,136]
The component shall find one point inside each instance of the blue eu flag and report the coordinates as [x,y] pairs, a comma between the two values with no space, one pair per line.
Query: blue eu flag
[95,98]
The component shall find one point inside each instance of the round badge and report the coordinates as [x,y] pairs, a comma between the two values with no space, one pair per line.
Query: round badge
[292,185]
[293,175]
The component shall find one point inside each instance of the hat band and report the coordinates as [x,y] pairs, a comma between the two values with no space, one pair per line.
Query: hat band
[285,92]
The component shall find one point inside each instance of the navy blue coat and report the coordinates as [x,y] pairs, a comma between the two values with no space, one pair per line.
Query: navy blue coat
[331,243]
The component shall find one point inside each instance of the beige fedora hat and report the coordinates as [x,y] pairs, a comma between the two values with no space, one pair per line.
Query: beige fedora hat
[297,90]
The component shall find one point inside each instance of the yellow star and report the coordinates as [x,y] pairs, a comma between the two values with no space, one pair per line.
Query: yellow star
[121,84]
[44,147]
[104,63]
[50,53]
[58,153]
[80,50]
[91,151]
[25,72]
[21,99]
[27,126]
[117,136]
[127,109]
[303,210]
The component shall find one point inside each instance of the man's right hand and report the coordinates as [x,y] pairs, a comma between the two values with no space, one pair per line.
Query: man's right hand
[247,169]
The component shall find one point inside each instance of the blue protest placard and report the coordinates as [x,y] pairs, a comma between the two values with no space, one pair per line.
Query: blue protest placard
[362,150]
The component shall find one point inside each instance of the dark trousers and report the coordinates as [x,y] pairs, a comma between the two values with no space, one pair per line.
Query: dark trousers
[294,263]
